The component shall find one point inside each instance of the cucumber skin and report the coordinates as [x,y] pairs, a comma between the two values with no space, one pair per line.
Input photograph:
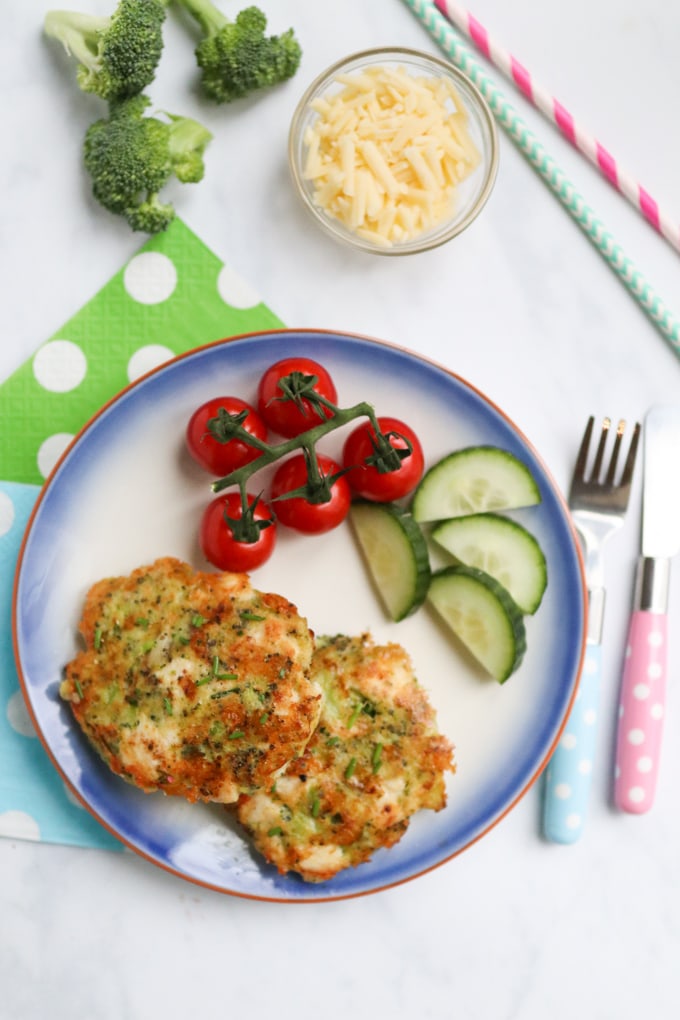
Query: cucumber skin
[418,543]
[420,497]
[512,610]
[510,526]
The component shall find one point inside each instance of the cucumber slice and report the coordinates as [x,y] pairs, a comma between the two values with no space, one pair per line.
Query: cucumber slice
[474,480]
[502,548]
[395,552]
[482,614]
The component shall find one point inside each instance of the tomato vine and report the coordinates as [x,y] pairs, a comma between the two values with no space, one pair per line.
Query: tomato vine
[298,387]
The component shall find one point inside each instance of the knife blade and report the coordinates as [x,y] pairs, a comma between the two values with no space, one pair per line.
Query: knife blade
[643,686]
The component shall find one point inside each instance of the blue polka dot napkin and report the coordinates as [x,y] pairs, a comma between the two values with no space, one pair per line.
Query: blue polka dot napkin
[173,295]
[34,802]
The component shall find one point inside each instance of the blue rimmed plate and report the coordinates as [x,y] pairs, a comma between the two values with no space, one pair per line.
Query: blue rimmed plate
[126,492]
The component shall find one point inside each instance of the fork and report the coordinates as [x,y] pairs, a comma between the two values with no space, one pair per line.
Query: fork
[598,506]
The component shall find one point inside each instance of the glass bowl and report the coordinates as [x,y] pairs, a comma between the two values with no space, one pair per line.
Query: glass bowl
[365,141]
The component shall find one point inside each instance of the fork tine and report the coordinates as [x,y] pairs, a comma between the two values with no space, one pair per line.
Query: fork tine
[629,466]
[599,455]
[611,471]
[582,457]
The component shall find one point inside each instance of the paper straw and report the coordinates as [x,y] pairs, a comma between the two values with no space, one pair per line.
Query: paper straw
[442,32]
[572,130]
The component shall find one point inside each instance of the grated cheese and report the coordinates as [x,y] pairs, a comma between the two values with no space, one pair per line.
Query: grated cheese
[387,152]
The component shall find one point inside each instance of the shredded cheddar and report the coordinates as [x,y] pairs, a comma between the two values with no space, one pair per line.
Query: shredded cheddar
[387,152]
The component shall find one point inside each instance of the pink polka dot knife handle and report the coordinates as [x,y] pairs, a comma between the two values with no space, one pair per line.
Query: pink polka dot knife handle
[641,712]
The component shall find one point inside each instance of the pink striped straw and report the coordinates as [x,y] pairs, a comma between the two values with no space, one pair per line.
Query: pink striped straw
[586,143]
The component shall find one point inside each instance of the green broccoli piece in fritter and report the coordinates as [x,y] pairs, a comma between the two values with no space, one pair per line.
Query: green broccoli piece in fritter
[236,57]
[130,157]
[117,55]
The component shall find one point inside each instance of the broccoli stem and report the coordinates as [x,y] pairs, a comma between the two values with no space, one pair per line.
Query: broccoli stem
[79,34]
[207,15]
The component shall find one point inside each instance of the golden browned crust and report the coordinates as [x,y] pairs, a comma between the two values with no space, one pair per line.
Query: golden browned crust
[375,759]
[192,683]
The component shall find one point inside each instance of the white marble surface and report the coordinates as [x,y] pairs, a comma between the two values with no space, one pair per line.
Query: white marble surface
[522,306]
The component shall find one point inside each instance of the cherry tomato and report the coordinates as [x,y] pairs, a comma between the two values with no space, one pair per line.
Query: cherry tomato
[216,534]
[222,458]
[365,479]
[301,514]
[284,416]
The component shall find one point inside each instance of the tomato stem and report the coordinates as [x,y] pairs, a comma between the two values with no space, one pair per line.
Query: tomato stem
[385,457]
[298,388]
[247,527]
[225,426]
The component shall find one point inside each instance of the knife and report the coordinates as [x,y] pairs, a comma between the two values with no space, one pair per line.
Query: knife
[643,686]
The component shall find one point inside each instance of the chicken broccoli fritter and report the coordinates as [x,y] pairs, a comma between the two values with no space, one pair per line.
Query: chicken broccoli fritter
[192,683]
[375,759]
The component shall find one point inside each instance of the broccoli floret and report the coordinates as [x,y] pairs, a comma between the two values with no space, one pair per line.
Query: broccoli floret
[130,157]
[117,55]
[236,57]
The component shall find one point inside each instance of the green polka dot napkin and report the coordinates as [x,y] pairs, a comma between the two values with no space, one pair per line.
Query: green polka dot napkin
[174,294]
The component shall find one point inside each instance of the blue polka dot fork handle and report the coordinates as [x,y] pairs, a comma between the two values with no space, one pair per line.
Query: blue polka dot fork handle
[643,685]
[598,502]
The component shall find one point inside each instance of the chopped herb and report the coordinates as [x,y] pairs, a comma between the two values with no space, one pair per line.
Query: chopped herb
[283,672]
[376,759]
[365,706]
[220,676]
[79,689]
[354,716]
[315,805]
[236,735]
[333,741]
[221,694]
[349,771]
[276,830]
[247,615]
[214,675]
[142,621]
[98,638]
[183,639]
[263,718]
[167,705]
[197,620]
